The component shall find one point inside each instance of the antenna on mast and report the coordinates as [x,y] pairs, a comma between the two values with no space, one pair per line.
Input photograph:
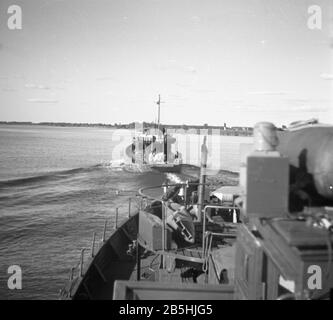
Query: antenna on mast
[159,112]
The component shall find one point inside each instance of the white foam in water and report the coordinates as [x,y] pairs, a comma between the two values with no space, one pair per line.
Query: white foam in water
[133,167]
[122,165]
[115,165]
[174,178]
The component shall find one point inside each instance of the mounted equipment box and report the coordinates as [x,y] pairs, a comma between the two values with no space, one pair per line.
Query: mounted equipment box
[150,232]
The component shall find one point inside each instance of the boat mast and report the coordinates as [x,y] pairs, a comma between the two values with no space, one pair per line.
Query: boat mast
[159,113]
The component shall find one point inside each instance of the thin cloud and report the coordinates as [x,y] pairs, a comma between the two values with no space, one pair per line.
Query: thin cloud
[267,93]
[178,67]
[105,78]
[190,69]
[282,108]
[9,90]
[196,19]
[37,100]
[184,85]
[36,86]
[327,76]
[205,90]
[59,88]
[299,101]
[309,108]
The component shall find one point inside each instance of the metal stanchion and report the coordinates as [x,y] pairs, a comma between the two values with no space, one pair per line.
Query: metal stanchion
[104,231]
[81,262]
[93,245]
[129,207]
[117,212]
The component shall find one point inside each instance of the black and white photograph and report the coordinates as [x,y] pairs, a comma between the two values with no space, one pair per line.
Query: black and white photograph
[167,150]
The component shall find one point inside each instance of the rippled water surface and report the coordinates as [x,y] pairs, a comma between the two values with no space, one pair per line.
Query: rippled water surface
[57,187]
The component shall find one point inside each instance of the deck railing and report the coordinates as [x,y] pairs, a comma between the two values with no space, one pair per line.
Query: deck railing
[77,271]
[204,232]
[144,201]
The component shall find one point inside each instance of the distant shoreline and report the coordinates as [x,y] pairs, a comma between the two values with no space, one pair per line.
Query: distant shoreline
[223,130]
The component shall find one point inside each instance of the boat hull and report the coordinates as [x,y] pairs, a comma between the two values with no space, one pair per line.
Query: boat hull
[111,262]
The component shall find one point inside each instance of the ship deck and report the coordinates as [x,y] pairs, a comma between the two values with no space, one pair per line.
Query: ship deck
[185,266]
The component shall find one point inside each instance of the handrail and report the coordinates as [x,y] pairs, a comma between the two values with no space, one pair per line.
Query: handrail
[164,216]
[80,265]
[116,223]
[71,275]
[163,233]
[129,207]
[104,231]
[93,245]
[81,261]
[141,192]
[204,221]
[187,183]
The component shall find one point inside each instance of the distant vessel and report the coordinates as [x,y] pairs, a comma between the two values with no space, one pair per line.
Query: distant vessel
[152,147]
[251,247]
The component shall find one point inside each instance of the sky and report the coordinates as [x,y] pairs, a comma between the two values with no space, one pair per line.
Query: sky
[212,61]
